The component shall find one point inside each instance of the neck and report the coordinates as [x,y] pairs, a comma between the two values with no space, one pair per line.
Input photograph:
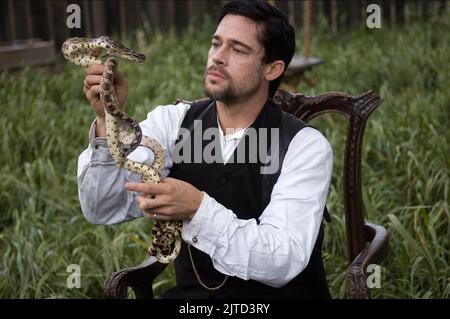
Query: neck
[241,114]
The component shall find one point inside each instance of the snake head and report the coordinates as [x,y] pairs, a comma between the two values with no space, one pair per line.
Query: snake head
[116,49]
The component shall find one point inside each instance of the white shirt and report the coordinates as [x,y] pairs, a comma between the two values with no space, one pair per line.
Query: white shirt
[272,252]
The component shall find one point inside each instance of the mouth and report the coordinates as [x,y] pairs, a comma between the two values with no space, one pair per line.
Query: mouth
[215,74]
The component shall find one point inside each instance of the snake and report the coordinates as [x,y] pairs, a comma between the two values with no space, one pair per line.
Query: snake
[123,133]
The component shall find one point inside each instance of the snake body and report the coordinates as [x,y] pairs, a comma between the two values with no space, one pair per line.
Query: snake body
[123,133]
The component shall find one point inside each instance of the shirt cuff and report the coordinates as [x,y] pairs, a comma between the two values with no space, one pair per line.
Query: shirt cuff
[205,229]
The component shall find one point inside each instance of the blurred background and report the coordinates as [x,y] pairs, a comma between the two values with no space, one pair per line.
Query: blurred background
[42,23]
[46,119]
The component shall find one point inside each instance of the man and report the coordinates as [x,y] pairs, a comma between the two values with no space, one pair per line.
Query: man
[243,244]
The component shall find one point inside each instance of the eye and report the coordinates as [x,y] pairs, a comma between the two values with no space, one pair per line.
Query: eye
[215,44]
[238,51]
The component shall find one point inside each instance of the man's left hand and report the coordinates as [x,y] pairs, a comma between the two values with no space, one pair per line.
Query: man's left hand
[172,199]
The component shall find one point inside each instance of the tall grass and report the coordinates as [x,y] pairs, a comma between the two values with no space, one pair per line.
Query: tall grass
[405,164]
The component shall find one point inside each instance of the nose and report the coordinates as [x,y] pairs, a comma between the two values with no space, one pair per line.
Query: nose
[218,56]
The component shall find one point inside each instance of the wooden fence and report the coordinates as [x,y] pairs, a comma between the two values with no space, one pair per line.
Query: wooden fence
[24,19]
[30,29]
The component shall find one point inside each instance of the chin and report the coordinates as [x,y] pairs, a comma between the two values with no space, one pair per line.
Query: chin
[214,89]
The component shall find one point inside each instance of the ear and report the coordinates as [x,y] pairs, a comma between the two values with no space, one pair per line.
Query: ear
[274,70]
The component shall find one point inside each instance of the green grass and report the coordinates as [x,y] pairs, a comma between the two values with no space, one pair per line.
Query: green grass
[405,165]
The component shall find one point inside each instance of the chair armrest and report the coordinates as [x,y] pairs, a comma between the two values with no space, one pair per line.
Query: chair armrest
[373,253]
[139,278]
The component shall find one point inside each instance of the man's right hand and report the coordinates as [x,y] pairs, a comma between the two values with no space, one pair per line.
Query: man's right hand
[92,92]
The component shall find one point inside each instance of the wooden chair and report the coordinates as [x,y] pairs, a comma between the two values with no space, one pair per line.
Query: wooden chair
[366,243]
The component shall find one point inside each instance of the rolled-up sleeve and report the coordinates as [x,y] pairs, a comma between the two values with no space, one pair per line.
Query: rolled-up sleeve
[101,184]
[101,192]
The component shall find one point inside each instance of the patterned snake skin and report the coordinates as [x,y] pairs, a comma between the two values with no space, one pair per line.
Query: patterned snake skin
[123,133]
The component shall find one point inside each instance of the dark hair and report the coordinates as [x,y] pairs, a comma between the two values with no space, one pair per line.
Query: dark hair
[277,36]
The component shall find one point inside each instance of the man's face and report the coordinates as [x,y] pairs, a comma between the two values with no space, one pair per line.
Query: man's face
[234,71]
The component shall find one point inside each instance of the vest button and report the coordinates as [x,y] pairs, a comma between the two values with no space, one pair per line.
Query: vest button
[223,180]
[194,240]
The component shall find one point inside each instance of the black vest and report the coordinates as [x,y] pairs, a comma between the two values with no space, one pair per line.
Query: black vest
[244,190]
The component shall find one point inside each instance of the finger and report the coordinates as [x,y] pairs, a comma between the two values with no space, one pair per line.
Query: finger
[94,69]
[93,93]
[146,203]
[91,80]
[156,216]
[154,189]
